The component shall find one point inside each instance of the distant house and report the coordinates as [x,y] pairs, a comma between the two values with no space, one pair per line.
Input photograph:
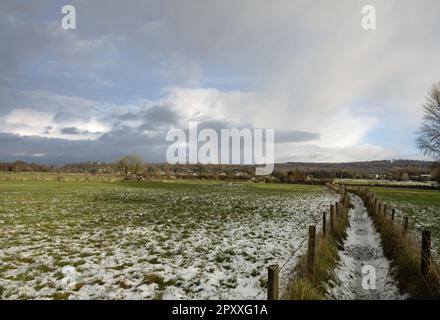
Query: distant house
[421,177]
[377,176]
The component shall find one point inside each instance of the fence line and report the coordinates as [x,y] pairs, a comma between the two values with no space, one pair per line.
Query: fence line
[379,209]
[337,212]
[422,249]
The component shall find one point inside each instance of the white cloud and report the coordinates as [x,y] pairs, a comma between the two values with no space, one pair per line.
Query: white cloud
[29,117]
[29,122]
[342,133]
[208,103]
[26,122]
[344,129]
[315,153]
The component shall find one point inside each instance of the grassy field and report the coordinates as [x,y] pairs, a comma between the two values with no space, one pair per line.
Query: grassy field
[151,240]
[421,206]
[54,176]
[385,183]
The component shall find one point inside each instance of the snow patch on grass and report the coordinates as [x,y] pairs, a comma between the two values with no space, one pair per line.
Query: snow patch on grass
[202,242]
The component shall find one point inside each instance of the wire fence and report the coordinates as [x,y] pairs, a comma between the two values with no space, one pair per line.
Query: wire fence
[399,224]
[323,229]
[387,218]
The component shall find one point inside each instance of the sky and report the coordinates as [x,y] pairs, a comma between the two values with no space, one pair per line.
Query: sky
[133,70]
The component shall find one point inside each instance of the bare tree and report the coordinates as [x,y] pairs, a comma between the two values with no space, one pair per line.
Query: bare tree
[429,132]
[131,164]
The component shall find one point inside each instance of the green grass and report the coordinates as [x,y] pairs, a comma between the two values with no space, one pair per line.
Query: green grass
[386,183]
[54,176]
[415,196]
[286,187]
[421,206]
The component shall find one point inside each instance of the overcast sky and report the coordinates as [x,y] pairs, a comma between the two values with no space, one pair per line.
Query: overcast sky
[134,69]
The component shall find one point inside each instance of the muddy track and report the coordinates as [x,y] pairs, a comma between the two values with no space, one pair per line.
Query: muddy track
[363,272]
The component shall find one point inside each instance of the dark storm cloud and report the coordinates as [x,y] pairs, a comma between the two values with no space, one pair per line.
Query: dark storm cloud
[70,130]
[153,118]
[120,141]
[281,136]
[59,151]
[284,136]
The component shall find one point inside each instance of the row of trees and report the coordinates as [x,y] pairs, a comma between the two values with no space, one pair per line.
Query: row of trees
[22,166]
[133,167]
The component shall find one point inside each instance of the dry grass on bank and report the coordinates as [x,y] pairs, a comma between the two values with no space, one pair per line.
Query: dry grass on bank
[404,253]
[304,286]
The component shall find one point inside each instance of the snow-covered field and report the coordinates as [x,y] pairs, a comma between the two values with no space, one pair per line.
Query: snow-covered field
[152,240]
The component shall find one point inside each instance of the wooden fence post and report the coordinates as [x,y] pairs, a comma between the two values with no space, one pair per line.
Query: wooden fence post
[273,280]
[324,224]
[311,250]
[405,225]
[337,209]
[384,210]
[332,219]
[425,258]
[393,214]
